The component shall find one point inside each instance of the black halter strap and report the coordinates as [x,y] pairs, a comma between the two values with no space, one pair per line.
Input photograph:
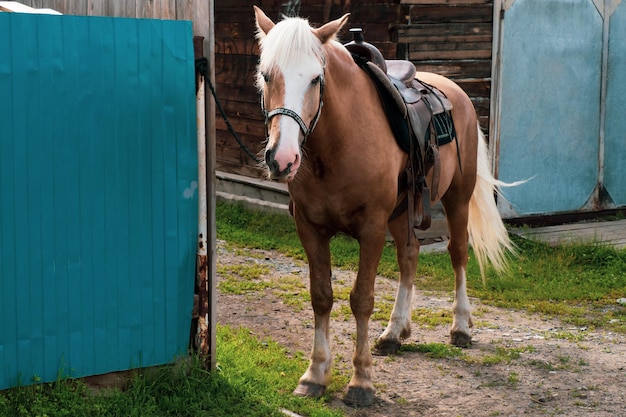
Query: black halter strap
[306,130]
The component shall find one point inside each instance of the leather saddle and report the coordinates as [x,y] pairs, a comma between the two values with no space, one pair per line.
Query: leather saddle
[415,99]
[419,115]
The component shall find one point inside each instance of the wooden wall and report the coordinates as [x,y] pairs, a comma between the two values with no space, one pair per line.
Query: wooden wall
[450,37]
[158,9]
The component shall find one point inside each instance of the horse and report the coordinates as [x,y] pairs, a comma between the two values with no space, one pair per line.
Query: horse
[329,140]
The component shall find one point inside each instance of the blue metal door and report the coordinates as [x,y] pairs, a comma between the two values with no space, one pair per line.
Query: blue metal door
[615,129]
[98,213]
[556,122]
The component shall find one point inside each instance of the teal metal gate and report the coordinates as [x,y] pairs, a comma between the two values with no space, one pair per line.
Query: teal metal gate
[559,94]
[98,201]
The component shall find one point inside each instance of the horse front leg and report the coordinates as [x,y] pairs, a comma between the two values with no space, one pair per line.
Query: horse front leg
[361,389]
[317,376]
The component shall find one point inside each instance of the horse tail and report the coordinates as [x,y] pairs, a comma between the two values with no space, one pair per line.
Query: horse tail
[488,235]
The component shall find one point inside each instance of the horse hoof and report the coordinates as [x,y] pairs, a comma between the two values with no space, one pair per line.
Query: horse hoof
[310,390]
[386,347]
[459,339]
[359,397]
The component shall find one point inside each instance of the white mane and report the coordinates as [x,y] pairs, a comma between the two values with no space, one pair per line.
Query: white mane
[289,43]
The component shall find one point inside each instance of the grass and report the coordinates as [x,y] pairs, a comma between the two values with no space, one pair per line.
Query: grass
[433,350]
[242,279]
[577,283]
[254,378]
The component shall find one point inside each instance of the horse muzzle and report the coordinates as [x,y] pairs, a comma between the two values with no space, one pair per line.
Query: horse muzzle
[281,168]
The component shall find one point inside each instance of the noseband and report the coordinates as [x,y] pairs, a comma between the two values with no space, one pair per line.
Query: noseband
[306,131]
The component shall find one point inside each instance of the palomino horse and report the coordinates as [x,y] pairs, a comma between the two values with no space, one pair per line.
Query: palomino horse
[342,165]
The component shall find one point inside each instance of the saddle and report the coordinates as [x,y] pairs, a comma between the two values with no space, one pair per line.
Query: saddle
[419,116]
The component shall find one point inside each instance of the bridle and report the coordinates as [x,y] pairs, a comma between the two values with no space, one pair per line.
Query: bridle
[306,130]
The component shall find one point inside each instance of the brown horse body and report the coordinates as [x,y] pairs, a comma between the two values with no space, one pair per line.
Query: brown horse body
[343,178]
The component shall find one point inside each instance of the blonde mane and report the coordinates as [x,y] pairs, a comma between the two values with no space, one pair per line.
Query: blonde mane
[290,42]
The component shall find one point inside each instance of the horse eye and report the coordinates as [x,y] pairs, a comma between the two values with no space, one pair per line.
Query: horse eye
[266,77]
[316,80]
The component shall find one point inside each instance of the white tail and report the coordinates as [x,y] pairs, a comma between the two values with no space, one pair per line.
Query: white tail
[487,232]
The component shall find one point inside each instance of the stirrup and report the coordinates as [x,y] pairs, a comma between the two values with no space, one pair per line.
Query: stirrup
[424,215]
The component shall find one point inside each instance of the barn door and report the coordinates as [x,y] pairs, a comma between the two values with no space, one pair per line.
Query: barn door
[557,83]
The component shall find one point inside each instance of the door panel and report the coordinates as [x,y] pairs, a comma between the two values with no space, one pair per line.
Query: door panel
[615,129]
[550,84]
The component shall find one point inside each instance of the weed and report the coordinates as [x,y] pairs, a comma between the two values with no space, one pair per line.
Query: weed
[513,378]
[503,354]
[343,312]
[292,291]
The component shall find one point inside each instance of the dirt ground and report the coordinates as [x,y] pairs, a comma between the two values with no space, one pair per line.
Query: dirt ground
[560,370]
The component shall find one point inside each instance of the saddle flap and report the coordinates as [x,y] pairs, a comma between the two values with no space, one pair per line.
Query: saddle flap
[409,93]
[437,101]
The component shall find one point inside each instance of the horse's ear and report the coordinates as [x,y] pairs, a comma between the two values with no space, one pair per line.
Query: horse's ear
[330,29]
[263,23]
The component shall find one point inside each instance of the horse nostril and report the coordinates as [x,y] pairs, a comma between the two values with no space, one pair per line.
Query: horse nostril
[270,161]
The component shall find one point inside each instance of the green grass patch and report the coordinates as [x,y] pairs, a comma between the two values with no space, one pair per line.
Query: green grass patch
[433,350]
[292,291]
[503,354]
[254,378]
[242,279]
[431,318]
[578,284]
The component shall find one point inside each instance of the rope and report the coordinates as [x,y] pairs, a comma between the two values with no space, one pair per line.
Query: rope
[202,67]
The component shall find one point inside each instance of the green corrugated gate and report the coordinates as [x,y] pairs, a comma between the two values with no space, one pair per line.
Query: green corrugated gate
[98,199]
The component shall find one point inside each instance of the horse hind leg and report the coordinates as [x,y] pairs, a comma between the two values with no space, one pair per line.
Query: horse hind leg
[457,216]
[399,326]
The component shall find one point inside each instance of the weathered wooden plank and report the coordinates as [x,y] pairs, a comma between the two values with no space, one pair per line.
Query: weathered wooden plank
[448,2]
[475,87]
[446,13]
[185,11]
[457,69]
[248,110]
[242,125]
[407,33]
[237,77]
[436,37]
[610,233]
[250,170]
[243,94]
[451,46]
[160,9]
[120,9]
[236,46]
[449,54]
[229,149]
